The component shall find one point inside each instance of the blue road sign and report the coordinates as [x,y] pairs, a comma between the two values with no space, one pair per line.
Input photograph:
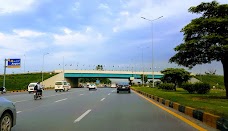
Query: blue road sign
[14,63]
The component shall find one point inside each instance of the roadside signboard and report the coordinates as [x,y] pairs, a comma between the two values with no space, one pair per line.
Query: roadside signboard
[14,63]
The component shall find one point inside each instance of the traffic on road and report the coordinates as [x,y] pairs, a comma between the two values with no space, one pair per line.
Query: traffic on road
[83,110]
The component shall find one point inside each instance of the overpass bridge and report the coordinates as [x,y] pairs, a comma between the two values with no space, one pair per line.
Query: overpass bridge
[72,76]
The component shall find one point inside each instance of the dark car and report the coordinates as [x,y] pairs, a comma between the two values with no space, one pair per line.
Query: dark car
[123,88]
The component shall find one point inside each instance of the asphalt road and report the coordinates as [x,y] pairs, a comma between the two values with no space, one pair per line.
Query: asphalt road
[84,110]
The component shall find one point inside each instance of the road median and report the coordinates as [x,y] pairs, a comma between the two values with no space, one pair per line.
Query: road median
[212,120]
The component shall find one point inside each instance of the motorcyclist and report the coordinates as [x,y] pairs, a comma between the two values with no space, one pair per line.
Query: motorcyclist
[38,89]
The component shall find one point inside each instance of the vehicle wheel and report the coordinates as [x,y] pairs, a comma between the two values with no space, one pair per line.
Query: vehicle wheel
[6,122]
[35,97]
[129,91]
[56,90]
[29,92]
[60,90]
[117,91]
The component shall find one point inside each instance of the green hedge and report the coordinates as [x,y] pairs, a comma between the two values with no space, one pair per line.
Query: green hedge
[199,88]
[21,81]
[166,86]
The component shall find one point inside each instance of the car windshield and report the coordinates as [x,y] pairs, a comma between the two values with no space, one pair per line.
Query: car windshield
[32,85]
[58,83]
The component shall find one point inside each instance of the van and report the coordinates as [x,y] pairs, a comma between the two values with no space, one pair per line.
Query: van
[31,87]
[61,86]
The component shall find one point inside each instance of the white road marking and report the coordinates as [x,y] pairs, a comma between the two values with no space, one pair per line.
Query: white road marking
[61,100]
[113,90]
[18,111]
[82,116]
[109,94]
[20,101]
[102,99]
[81,94]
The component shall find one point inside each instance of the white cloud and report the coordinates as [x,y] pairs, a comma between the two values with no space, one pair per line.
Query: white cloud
[9,6]
[78,38]
[152,9]
[106,8]
[14,44]
[124,13]
[103,6]
[76,6]
[27,33]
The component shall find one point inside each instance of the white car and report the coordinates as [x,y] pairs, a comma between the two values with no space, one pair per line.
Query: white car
[92,87]
[31,87]
[61,86]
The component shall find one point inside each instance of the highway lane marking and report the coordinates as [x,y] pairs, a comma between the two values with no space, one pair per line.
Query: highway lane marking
[81,94]
[109,94]
[20,101]
[61,100]
[19,111]
[174,114]
[47,96]
[102,99]
[82,116]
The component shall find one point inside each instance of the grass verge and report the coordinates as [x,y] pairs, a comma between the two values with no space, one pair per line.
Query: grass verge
[213,102]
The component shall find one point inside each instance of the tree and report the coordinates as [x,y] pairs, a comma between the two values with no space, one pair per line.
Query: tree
[205,38]
[99,67]
[175,75]
[145,78]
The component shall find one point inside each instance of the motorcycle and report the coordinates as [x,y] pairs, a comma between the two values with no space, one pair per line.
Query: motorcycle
[37,95]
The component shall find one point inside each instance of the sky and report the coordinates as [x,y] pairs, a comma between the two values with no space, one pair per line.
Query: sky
[80,34]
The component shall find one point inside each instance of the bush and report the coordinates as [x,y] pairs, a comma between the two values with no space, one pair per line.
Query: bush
[189,87]
[202,88]
[166,86]
[199,88]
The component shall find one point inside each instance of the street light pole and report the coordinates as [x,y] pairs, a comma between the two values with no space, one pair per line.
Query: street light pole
[43,68]
[152,44]
[24,62]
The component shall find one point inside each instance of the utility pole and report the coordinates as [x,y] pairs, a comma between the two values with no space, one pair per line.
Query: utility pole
[4,79]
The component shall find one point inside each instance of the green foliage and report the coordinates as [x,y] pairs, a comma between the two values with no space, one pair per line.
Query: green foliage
[212,80]
[213,102]
[205,38]
[93,80]
[99,67]
[189,87]
[199,88]
[202,88]
[175,75]
[21,81]
[166,86]
[145,78]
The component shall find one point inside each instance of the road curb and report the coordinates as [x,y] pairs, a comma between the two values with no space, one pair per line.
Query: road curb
[207,118]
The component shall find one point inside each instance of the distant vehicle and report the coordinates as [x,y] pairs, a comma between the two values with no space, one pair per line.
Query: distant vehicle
[61,86]
[123,87]
[113,85]
[92,87]
[7,114]
[31,87]
[3,90]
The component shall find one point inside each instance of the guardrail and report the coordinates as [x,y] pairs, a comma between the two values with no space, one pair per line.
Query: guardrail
[207,118]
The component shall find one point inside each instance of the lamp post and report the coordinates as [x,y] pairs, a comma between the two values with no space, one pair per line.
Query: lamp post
[24,62]
[152,44]
[43,68]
